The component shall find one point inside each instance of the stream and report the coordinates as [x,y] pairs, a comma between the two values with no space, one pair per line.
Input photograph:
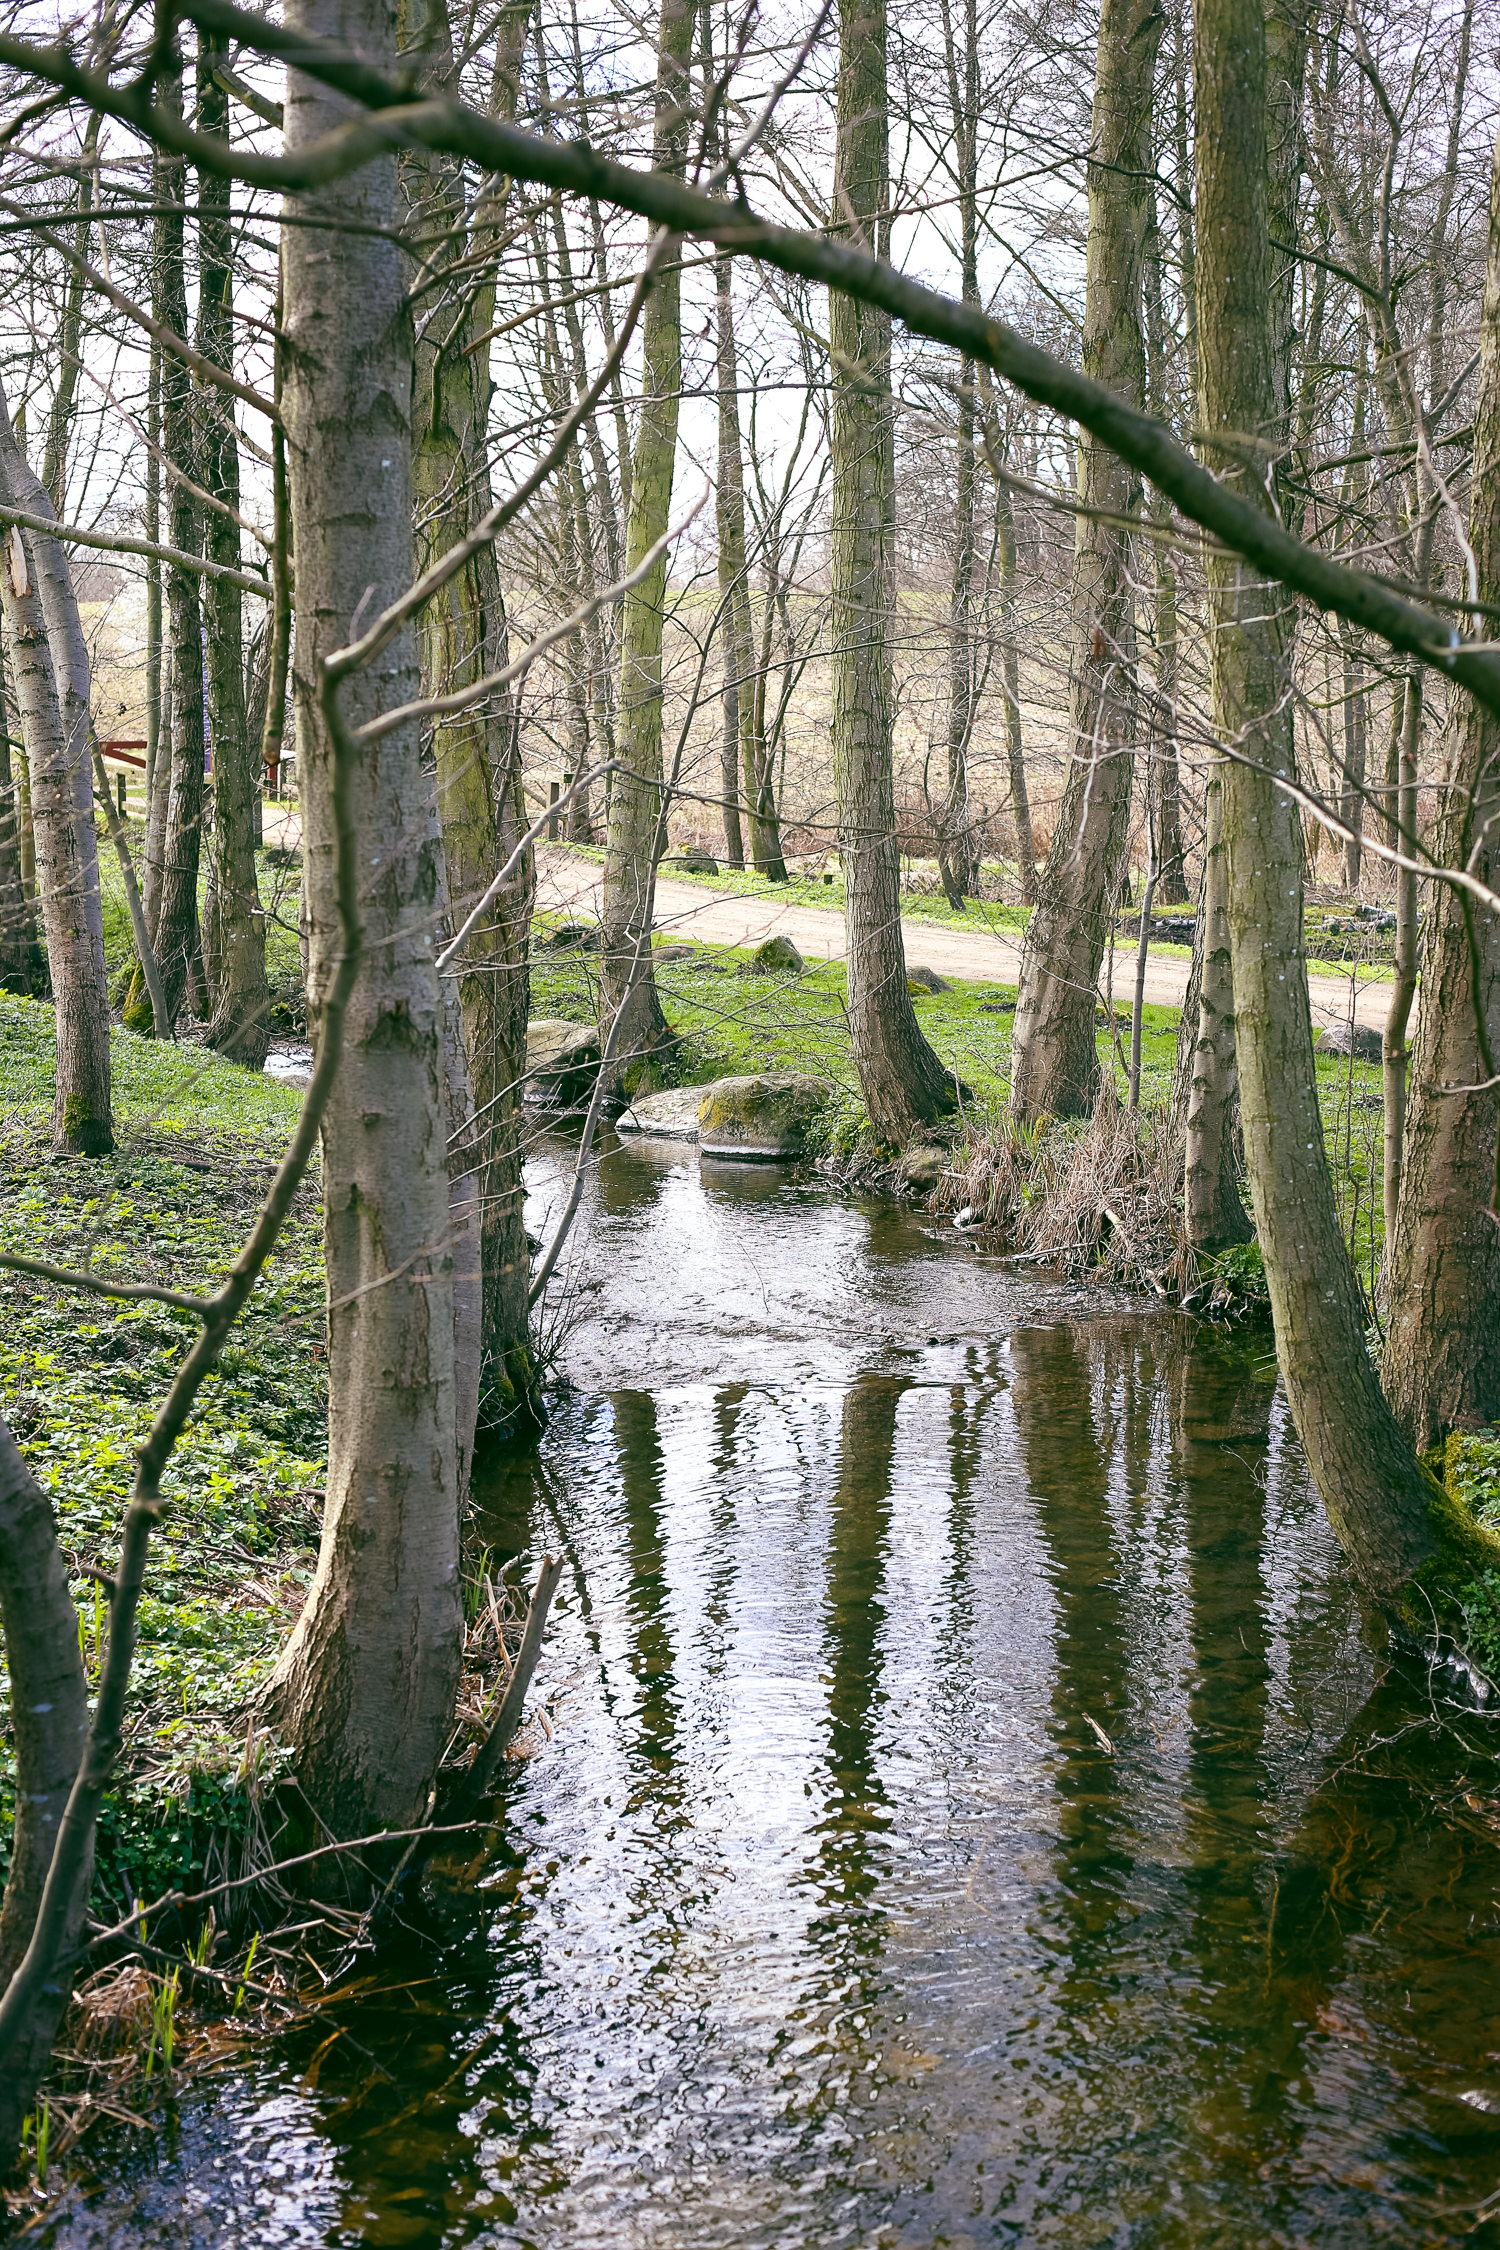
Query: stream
[972,1807]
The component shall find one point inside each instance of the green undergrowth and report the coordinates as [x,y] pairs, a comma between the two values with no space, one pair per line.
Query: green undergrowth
[82,1377]
[1467,1466]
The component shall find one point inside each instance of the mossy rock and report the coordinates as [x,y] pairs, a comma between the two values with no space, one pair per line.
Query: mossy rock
[921,980]
[778,957]
[761,1118]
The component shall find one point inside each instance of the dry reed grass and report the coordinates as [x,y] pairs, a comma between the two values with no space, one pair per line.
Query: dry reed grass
[1098,1197]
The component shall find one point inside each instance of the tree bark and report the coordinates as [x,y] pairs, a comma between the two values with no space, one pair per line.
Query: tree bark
[903,1083]
[959,845]
[464,635]
[365,1687]
[1212,1210]
[1441,1363]
[23,965]
[153,566]
[65,397]
[49,1706]
[1387,1515]
[635,798]
[1055,1058]
[235,938]
[1010,656]
[737,693]
[1165,780]
[50,674]
[175,931]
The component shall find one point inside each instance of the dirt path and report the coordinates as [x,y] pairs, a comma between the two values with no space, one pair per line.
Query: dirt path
[566,880]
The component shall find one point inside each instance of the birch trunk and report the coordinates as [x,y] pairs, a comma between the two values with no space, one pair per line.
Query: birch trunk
[1055,1059]
[903,1083]
[365,1687]
[23,966]
[50,675]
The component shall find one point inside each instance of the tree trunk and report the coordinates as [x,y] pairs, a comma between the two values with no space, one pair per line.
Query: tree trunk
[1356,757]
[1212,1210]
[903,1083]
[365,1687]
[175,930]
[1393,1052]
[235,939]
[1165,781]
[1441,1364]
[464,636]
[50,1711]
[64,398]
[1389,1518]
[50,675]
[1010,657]
[959,842]
[635,802]
[23,965]
[153,566]
[1055,1058]
[734,593]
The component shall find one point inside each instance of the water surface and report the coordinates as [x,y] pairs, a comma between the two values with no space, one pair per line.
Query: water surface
[974,1809]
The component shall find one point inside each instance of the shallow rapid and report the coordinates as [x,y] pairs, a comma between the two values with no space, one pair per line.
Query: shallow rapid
[970,1809]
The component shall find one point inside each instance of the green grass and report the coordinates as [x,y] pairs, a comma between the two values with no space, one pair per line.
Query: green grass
[80,1379]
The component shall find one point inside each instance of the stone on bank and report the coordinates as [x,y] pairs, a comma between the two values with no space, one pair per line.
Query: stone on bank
[752,1119]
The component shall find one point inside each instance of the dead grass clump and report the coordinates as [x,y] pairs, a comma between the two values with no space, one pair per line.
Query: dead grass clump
[1097,1197]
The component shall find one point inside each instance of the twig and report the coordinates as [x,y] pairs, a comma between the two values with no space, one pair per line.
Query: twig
[481,1772]
[128,1289]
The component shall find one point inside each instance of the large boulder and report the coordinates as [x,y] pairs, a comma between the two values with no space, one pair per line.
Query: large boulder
[668,1116]
[1337,1038]
[925,980]
[778,957]
[760,1118]
[694,860]
[562,1062]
